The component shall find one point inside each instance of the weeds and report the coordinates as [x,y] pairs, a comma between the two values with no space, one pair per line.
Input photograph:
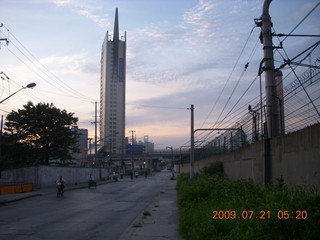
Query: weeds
[270,206]
[146,213]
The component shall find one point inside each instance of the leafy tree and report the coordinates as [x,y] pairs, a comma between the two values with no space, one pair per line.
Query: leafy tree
[13,153]
[44,130]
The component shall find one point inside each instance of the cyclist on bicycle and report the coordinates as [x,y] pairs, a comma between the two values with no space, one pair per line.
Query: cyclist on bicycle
[60,183]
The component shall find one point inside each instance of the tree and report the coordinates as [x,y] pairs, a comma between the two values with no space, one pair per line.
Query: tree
[44,130]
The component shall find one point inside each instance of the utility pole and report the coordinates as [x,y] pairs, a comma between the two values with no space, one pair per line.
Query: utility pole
[192,143]
[273,128]
[96,139]
[132,141]
[272,118]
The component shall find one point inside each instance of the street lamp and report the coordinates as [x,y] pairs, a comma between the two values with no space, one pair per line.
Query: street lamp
[30,85]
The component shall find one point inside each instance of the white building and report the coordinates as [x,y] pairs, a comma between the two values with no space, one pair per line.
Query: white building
[112,91]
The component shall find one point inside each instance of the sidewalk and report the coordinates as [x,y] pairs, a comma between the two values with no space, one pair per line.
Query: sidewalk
[163,221]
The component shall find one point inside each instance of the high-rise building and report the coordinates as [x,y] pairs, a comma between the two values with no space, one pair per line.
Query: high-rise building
[112,91]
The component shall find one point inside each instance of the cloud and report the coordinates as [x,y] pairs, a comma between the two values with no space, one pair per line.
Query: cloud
[201,19]
[78,63]
[88,9]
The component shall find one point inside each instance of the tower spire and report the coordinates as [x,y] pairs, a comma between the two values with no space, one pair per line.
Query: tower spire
[115,45]
[116,27]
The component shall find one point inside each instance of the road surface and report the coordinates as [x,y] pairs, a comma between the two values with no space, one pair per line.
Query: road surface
[82,214]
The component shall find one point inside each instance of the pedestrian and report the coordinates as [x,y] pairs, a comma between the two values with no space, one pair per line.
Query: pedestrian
[92,181]
[131,175]
[146,173]
[173,173]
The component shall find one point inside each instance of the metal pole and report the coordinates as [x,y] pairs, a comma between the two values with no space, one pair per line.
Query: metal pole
[192,143]
[271,103]
[261,114]
[30,85]
[132,151]
[96,139]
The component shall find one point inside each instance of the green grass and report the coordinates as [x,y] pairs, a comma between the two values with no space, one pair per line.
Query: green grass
[206,193]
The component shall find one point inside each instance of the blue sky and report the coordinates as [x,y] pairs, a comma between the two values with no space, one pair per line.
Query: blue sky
[179,52]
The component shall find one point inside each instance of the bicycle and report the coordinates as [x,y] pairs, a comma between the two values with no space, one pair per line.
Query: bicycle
[60,190]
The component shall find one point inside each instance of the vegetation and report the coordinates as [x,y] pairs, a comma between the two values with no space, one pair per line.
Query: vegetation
[241,209]
[36,134]
[146,213]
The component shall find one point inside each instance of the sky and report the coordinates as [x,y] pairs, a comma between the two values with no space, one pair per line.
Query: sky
[179,52]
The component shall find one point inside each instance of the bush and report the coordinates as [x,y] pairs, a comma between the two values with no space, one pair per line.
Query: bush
[127,172]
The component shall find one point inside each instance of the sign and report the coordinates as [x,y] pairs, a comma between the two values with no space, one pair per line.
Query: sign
[134,149]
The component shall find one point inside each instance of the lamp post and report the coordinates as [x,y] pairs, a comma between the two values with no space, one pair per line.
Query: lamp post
[30,85]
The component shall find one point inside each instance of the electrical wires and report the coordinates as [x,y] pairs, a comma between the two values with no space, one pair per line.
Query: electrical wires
[301,92]
[19,51]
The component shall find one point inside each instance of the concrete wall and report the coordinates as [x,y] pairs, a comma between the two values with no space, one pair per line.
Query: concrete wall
[295,157]
[46,176]
[242,164]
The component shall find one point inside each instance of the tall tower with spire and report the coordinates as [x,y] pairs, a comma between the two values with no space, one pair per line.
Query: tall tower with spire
[112,91]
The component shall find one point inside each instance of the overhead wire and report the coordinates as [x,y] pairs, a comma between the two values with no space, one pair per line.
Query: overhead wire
[235,87]
[44,70]
[284,51]
[229,77]
[13,81]
[229,113]
[47,72]
[302,20]
[238,101]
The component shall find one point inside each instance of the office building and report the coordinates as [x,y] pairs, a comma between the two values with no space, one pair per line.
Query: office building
[112,91]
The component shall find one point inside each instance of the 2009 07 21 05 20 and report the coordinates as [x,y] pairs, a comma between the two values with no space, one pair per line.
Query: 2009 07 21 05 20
[250,214]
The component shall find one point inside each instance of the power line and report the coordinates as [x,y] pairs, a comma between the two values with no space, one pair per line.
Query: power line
[236,63]
[302,20]
[163,107]
[64,87]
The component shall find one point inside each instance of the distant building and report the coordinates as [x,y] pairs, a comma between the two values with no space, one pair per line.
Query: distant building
[148,146]
[112,91]
[80,157]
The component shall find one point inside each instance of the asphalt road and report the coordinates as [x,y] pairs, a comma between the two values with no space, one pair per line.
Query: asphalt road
[82,214]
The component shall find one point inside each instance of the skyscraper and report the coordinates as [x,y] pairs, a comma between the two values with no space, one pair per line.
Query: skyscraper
[112,91]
